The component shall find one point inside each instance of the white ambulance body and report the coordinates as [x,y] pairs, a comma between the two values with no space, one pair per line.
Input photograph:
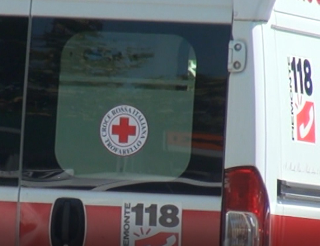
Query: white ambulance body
[272,120]
[156,122]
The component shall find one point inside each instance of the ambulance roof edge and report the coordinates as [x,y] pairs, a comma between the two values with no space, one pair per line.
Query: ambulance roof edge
[252,10]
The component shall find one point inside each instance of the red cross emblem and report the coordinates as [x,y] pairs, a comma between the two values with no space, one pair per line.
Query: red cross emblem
[124,130]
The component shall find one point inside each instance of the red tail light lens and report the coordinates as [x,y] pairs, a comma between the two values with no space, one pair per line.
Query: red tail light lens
[245,208]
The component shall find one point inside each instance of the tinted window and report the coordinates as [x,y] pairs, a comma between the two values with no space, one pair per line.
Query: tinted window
[112,102]
[13,37]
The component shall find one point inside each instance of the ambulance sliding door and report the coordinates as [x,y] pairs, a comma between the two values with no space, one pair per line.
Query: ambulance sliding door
[13,43]
[124,128]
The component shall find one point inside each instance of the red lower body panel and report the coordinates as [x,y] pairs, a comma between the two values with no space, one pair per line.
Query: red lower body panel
[104,226]
[200,228]
[34,224]
[291,231]
[8,223]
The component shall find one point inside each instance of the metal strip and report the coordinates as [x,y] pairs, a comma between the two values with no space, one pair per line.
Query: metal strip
[295,192]
[23,116]
[291,30]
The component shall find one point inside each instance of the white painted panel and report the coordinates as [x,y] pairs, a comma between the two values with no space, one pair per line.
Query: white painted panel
[240,129]
[253,10]
[8,194]
[308,9]
[301,26]
[272,111]
[207,11]
[15,7]
[299,38]
[298,211]
[203,203]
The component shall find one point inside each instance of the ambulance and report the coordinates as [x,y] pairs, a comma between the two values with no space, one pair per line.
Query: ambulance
[159,122]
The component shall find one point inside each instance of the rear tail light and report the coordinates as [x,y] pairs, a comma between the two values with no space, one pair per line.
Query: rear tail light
[245,208]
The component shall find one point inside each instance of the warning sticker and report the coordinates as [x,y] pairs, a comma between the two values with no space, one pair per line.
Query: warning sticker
[150,224]
[124,130]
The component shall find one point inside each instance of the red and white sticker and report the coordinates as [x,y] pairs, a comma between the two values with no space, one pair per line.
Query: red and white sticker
[302,105]
[151,224]
[124,130]
[306,123]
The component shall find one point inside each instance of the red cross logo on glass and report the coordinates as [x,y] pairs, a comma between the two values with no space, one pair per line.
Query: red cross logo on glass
[124,130]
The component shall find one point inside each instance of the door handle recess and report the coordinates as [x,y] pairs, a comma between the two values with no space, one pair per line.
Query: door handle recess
[67,222]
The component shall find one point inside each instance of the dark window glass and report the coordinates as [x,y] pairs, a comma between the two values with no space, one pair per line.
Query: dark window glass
[13,38]
[126,106]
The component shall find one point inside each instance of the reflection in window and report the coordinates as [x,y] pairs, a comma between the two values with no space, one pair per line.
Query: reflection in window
[101,71]
[173,73]
[13,37]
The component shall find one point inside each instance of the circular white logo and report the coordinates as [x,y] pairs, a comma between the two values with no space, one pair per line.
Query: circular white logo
[124,130]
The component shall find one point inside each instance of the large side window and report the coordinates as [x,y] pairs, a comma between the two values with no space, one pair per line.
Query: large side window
[115,102]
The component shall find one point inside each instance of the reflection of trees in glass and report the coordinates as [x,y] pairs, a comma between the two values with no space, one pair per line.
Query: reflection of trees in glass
[120,54]
[168,99]
[48,38]
[110,59]
[48,42]
[107,54]
[13,38]
[210,105]
[120,66]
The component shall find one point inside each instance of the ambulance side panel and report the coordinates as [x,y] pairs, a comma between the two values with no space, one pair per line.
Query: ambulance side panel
[291,40]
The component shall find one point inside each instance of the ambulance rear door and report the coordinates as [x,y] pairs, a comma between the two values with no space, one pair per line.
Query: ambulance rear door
[124,126]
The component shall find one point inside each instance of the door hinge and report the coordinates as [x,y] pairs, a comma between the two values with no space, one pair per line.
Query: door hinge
[236,56]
